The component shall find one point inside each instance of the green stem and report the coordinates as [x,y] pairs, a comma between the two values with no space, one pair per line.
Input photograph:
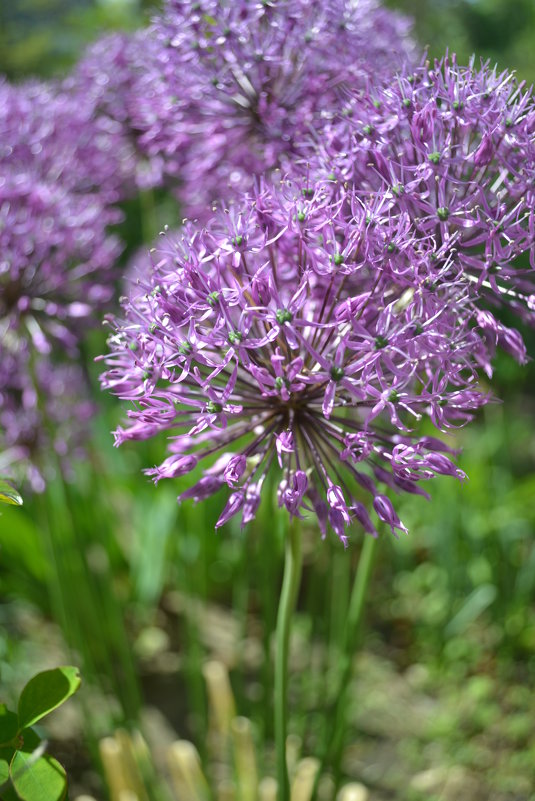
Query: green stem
[149,224]
[334,747]
[288,598]
[84,605]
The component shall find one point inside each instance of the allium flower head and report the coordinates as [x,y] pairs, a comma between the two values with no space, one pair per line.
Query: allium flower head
[55,261]
[62,166]
[61,169]
[43,410]
[112,81]
[55,131]
[241,83]
[448,156]
[268,342]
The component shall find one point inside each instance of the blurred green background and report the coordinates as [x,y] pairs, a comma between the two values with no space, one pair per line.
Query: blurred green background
[108,572]
[45,37]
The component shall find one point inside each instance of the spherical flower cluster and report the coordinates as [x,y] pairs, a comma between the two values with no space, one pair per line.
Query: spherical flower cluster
[55,132]
[55,261]
[64,164]
[236,86]
[447,155]
[43,410]
[270,341]
[113,79]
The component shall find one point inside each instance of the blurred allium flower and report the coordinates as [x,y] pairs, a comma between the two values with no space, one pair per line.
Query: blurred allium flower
[57,132]
[235,86]
[43,409]
[447,156]
[112,81]
[62,167]
[270,341]
[55,261]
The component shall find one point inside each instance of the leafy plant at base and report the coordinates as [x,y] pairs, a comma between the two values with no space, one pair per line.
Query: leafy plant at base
[27,773]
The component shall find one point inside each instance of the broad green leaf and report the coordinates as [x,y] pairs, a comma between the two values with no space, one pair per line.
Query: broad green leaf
[38,779]
[29,741]
[9,794]
[6,755]
[9,725]
[9,494]
[46,692]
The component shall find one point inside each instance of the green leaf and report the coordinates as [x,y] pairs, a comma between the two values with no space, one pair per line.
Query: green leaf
[9,794]
[29,741]
[38,778]
[9,494]
[46,692]
[9,725]
[6,755]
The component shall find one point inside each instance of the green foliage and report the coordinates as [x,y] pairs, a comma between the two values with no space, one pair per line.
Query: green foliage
[9,724]
[45,37]
[41,779]
[46,692]
[8,494]
[33,775]
[468,564]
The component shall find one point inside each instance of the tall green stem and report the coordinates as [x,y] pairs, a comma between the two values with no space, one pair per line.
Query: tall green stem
[84,604]
[334,747]
[288,598]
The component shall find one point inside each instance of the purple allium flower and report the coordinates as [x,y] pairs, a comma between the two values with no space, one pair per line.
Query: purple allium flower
[112,81]
[61,168]
[56,132]
[448,155]
[272,341]
[43,409]
[55,261]
[237,85]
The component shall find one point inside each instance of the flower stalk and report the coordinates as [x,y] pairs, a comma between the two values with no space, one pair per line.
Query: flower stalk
[333,748]
[288,598]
